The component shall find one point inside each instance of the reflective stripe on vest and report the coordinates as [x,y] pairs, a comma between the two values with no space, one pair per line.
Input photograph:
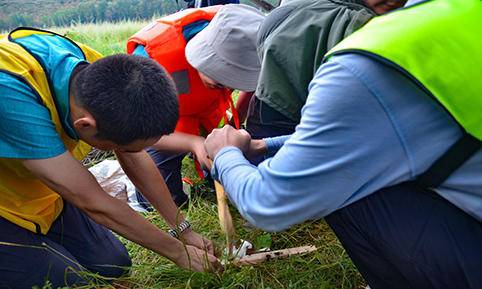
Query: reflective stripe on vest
[25,200]
[438,44]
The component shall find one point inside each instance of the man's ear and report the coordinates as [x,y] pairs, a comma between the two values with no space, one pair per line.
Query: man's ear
[85,124]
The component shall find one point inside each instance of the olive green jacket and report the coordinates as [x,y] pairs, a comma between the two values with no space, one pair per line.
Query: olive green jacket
[292,42]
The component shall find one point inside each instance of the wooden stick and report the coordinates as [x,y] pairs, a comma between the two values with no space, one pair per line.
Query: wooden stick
[257,258]
[225,219]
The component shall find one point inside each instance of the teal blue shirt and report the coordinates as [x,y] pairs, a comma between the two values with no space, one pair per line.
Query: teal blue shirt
[26,128]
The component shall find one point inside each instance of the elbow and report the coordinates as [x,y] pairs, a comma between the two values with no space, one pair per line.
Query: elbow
[269,223]
[271,214]
[95,209]
[270,226]
[265,213]
[99,216]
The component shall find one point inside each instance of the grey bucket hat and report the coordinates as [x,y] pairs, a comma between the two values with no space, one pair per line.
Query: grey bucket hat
[226,49]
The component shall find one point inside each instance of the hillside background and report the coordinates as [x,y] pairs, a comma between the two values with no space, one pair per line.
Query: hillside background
[49,13]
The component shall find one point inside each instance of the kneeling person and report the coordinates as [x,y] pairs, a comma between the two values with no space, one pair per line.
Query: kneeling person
[59,98]
[203,102]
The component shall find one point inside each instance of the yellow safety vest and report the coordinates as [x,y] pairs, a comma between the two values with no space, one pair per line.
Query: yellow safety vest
[24,199]
[438,44]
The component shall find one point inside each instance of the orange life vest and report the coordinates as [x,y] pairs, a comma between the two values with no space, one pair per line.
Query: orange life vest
[163,40]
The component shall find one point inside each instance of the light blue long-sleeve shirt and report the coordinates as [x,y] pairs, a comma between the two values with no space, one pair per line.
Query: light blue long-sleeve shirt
[364,127]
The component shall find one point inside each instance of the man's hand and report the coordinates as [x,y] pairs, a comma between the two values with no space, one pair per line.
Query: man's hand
[194,239]
[227,136]
[197,148]
[195,259]
[257,147]
[79,187]
[145,175]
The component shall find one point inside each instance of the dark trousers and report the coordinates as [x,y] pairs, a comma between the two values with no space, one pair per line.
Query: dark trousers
[74,244]
[169,165]
[264,121]
[405,237]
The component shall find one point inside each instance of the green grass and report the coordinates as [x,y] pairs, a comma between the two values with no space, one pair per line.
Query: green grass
[329,267]
[107,38]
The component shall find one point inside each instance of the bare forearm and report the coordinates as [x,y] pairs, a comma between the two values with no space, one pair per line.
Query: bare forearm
[176,142]
[120,218]
[77,186]
[146,177]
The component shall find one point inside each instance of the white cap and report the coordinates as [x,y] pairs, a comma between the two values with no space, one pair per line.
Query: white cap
[226,49]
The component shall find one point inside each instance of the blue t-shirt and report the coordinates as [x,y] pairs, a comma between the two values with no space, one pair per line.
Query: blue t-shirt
[26,129]
[364,127]
[140,51]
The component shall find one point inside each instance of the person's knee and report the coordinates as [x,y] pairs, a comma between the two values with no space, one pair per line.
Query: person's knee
[113,264]
[107,257]
[34,267]
[117,269]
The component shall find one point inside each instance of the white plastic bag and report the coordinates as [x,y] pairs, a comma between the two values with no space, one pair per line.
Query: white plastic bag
[115,182]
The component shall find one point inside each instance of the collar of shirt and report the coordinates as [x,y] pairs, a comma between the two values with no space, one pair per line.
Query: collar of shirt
[59,57]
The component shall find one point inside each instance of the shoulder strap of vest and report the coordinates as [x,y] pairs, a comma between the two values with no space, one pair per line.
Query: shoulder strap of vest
[89,54]
[449,162]
[159,31]
[25,31]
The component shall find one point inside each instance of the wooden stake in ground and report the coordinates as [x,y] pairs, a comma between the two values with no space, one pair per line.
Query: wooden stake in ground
[226,222]
[225,219]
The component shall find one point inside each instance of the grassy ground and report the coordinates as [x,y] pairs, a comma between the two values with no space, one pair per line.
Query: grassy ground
[329,267]
[107,38]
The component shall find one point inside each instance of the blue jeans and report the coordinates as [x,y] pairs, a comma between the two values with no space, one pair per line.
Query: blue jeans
[73,244]
[406,237]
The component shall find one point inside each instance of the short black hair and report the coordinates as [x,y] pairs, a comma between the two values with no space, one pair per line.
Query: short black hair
[131,98]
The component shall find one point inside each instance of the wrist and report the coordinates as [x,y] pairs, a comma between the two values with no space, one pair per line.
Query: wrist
[215,153]
[260,146]
[176,250]
[168,247]
[195,142]
[257,148]
[186,232]
[221,151]
[176,232]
